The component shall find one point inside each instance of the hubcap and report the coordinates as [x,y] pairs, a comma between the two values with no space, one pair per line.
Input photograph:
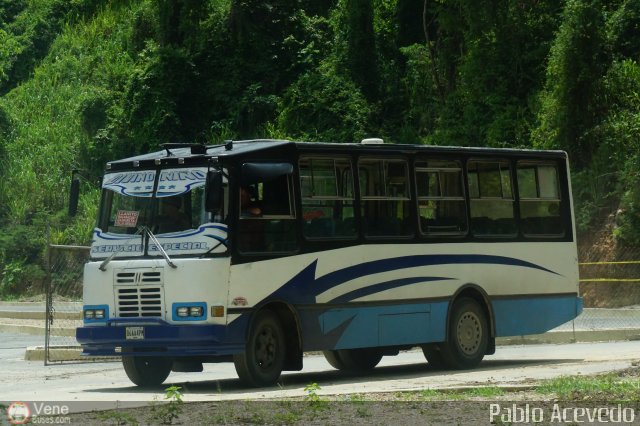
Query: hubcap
[469,333]
[266,347]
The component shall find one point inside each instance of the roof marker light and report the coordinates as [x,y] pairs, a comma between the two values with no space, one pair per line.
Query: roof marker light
[372,141]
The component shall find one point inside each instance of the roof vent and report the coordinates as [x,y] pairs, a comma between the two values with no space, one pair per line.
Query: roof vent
[372,141]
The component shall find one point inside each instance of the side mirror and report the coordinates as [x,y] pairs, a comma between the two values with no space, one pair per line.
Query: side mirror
[74,195]
[213,191]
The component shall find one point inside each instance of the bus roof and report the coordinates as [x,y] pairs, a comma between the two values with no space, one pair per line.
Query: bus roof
[193,152]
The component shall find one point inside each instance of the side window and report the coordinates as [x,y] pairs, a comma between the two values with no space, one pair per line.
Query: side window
[441,202]
[491,198]
[384,192]
[327,197]
[539,199]
[267,216]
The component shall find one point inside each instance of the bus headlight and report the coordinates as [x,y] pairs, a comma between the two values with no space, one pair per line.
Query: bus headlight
[93,313]
[195,311]
[190,311]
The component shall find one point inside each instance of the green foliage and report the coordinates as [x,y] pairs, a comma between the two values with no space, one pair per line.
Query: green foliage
[623,28]
[315,401]
[604,388]
[361,48]
[118,418]
[570,105]
[168,412]
[21,255]
[324,106]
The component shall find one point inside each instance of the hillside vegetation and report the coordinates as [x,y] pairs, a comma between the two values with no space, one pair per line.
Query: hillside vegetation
[85,81]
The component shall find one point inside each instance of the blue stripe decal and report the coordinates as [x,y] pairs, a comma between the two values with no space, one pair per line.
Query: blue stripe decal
[376,288]
[385,265]
[304,287]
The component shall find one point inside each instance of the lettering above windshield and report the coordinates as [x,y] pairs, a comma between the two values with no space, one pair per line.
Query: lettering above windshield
[179,181]
[134,184]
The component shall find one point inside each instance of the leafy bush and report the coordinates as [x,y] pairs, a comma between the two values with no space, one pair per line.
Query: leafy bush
[321,105]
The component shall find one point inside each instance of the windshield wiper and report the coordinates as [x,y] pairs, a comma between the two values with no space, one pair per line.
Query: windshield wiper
[105,262]
[141,230]
[157,243]
[220,243]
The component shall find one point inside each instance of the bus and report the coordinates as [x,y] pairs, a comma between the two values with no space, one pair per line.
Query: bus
[254,252]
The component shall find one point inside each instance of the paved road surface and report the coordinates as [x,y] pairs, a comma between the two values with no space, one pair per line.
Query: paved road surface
[511,365]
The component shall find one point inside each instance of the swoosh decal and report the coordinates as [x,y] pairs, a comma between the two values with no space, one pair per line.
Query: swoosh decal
[376,288]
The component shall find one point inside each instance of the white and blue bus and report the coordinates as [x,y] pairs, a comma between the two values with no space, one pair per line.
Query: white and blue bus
[258,251]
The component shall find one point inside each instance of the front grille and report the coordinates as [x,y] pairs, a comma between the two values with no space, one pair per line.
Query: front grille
[139,276]
[139,301]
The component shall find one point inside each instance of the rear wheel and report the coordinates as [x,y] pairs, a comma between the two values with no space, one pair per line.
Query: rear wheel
[468,336]
[147,370]
[262,362]
[354,359]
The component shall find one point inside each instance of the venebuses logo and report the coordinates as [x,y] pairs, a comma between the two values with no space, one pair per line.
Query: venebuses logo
[18,413]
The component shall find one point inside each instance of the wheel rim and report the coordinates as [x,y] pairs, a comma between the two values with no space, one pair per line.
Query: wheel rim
[266,348]
[469,333]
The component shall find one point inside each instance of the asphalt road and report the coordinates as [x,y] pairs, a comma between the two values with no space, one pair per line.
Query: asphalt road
[105,384]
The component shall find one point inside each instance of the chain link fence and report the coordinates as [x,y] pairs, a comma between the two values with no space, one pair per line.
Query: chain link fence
[63,301]
[610,286]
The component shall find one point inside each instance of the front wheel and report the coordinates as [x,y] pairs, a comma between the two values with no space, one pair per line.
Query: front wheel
[468,337]
[262,362]
[357,360]
[147,370]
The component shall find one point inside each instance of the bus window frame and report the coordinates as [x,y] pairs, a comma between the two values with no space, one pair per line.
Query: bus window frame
[292,216]
[418,168]
[354,200]
[560,198]
[410,196]
[514,204]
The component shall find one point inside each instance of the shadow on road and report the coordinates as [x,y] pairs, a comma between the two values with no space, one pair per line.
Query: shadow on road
[297,380]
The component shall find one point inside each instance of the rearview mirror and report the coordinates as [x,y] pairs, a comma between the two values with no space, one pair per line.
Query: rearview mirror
[74,195]
[213,191]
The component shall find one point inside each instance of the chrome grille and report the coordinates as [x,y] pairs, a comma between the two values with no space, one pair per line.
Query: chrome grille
[139,301]
[139,276]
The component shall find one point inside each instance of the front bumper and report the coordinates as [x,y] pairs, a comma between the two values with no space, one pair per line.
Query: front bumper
[160,339]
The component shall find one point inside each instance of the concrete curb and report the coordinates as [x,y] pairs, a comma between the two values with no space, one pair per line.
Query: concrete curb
[555,337]
[39,315]
[36,330]
[63,353]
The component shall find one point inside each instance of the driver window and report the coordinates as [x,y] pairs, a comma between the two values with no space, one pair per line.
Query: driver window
[266,222]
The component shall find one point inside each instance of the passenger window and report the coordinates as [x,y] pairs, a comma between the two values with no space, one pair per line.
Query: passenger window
[385,197]
[491,198]
[539,200]
[441,203]
[327,197]
[267,216]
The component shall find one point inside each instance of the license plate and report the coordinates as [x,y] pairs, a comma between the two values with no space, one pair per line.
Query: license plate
[134,333]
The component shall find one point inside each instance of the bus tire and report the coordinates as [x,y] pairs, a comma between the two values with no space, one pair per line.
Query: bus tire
[434,356]
[147,370]
[468,336]
[354,359]
[263,360]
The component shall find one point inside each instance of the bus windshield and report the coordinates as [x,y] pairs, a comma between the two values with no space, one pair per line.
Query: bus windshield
[174,212]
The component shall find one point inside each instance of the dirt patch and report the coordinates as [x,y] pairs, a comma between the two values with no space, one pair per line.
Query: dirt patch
[614,285]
